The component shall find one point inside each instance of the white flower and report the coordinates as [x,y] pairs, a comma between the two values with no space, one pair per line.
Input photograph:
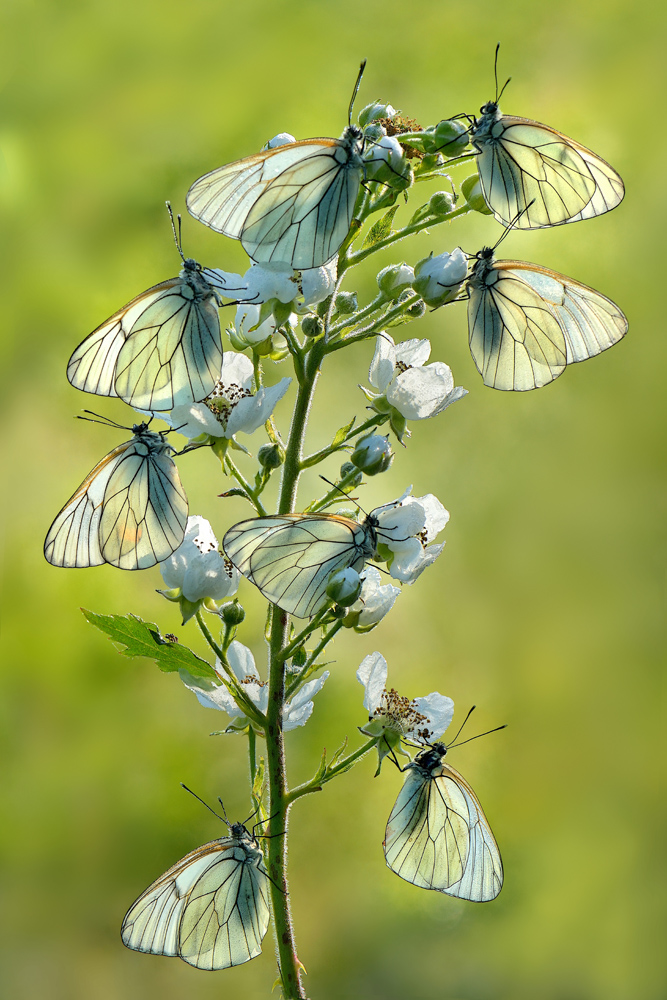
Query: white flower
[438,279]
[260,283]
[211,695]
[375,600]
[422,719]
[315,283]
[197,567]
[282,139]
[399,372]
[232,407]
[406,527]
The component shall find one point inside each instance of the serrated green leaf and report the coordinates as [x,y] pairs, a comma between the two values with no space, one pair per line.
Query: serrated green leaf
[342,433]
[380,229]
[140,638]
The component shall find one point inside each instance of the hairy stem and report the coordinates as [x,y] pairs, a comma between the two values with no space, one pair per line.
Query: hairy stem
[279,801]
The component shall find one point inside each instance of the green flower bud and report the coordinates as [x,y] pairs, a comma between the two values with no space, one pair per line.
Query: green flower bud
[312,326]
[338,611]
[394,279]
[431,161]
[323,306]
[281,311]
[374,132]
[346,303]
[347,469]
[271,456]
[232,613]
[441,203]
[237,342]
[416,310]
[373,454]
[189,608]
[344,586]
[450,138]
[471,190]
[374,111]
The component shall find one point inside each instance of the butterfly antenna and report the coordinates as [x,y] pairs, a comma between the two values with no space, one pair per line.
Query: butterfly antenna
[97,418]
[463,723]
[450,745]
[224,820]
[346,495]
[512,224]
[355,91]
[495,69]
[177,235]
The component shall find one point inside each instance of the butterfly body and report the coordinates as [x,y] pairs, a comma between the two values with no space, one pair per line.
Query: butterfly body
[210,909]
[292,204]
[130,511]
[526,323]
[533,176]
[437,836]
[160,350]
[290,557]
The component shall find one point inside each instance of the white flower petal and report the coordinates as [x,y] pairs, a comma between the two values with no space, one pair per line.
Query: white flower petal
[237,370]
[210,695]
[271,281]
[413,352]
[381,371]
[192,420]
[399,521]
[436,516]
[419,393]
[282,139]
[439,710]
[316,283]
[246,320]
[372,673]
[241,661]
[253,411]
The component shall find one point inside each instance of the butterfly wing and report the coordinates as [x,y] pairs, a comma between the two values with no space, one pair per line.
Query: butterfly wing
[162,349]
[292,204]
[437,837]
[144,511]
[290,558]
[174,353]
[130,511]
[530,171]
[73,538]
[211,909]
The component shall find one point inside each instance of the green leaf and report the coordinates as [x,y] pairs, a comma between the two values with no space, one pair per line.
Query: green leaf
[380,229]
[342,433]
[140,638]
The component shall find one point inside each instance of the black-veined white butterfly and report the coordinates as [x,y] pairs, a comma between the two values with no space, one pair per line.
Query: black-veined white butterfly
[130,511]
[532,171]
[526,323]
[162,349]
[211,908]
[290,557]
[292,204]
[437,835]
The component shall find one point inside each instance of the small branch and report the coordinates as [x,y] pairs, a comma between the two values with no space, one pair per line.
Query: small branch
[240,478]
[320,779]
[313,624]
[309,666]
[319,456]
[400,234]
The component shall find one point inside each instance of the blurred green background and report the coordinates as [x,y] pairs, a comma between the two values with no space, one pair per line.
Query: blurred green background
[543,610]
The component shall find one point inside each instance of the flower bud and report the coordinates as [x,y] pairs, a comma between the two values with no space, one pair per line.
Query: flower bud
[282,139]
[344,586]
[312,326]
[347,469]
[441,203]
[281,311]
[416,310]
[271,456]
[438,279]
[431,161]
[374,132]
[471,190]
[374,111]
[394,279]
[450,138]
[373,454]
[232,613]
[323,306]
[346,303]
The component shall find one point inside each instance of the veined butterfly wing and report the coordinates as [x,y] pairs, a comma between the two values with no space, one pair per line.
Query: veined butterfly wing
[437,835]
[211,908]
[292,204]
[160,350]
[290,557]
[533,176]
[130,511]
[526,323]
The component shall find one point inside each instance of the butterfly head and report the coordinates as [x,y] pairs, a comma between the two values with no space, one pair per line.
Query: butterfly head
[430,758]
[239,832]
[490,110]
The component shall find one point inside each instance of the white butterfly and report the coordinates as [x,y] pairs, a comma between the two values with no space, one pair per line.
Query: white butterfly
[293,204]
[530,171]
[130,511]
[161,350]
[526,323]
[290,557]
[437,835]
[211,909]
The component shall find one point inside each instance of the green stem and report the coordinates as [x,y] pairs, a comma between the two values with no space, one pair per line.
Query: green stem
[319,456]
[279,802]
[400,234]
[344,765]
[252,757]
[240,478]
[307,668]
[303,634]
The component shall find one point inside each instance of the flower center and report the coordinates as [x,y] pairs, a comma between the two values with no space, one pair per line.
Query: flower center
[223,399]
[401,367]
[400,714]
